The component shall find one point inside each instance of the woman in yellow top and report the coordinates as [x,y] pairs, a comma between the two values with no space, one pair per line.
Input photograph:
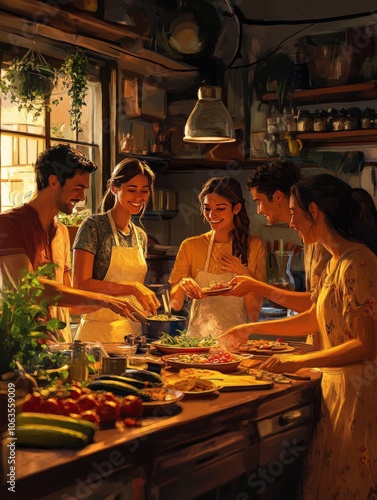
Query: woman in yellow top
[217,256]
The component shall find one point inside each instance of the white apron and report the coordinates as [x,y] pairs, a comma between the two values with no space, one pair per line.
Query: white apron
[126,264]
[214,315]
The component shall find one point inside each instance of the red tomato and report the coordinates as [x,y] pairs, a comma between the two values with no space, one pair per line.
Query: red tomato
[108,412]
[87,402]
[31,402]
[281,341]
[70,406]
[131,406]
[74,392]
[91,416]
[108,396]
[50,406]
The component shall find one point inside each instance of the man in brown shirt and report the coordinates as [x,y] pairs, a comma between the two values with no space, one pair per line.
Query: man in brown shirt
[31,234]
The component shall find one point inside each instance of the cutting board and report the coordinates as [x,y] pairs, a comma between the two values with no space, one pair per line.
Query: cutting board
[232,383]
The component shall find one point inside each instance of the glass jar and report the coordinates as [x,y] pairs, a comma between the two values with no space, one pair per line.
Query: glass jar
[338,118]
[304,121]
[289,120]
[368,117]
[320,121]
[78,371]
[351,120]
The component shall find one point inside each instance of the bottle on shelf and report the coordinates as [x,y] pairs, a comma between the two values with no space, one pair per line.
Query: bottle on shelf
[127,144]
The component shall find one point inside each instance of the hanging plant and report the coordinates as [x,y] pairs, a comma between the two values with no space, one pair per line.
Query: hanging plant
[29,82]
[75,73]
[275,69]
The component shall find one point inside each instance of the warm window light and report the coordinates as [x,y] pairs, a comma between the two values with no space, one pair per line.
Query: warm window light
[209,121]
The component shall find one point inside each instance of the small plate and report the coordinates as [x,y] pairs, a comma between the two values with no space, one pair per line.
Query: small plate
[213,292]
[268,352]
[206,392]
[220,367]
[171,396]
[175,349]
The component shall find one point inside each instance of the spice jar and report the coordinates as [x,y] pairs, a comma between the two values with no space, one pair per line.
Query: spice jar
[320,121]
[351,120]
[338,118]
[304,121]
[368,117]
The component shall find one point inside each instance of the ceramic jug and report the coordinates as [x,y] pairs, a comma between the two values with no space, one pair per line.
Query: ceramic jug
[270,145]
[294,145]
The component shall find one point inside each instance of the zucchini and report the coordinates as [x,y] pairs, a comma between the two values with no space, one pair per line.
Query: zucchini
[48,436]
[118,388]
[143,375]
[75,424]
[138,384]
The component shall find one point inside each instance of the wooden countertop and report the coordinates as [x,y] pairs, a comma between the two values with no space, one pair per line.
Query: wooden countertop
[199,418]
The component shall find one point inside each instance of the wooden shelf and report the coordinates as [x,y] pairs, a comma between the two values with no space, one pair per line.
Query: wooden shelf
[342,93]
[341,137]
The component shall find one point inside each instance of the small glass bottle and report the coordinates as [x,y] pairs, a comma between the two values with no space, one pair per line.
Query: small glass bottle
[78,370]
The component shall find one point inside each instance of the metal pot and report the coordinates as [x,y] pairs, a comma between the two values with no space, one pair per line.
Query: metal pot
[155,327]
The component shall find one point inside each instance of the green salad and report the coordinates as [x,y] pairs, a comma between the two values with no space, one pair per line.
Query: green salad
[184,340]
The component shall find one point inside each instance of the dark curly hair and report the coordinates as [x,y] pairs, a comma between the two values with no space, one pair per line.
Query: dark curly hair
[277,175]
[230,189]
[62,160]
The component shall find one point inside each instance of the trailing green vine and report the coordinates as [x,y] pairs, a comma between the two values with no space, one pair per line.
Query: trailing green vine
[75,73]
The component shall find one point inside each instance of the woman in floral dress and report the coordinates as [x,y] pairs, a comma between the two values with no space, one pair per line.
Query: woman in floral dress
[342,462]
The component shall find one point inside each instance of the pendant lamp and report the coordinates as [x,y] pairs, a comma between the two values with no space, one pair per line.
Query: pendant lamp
[209,121]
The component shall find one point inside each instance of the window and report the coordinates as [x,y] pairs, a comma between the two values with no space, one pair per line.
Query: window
[22,139]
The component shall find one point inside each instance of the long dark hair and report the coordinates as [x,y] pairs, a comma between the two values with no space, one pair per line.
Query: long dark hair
[123,172]
[230,189]
[349,211]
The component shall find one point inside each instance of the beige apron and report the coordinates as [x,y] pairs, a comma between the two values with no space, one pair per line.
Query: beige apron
[214,315]
[126,264]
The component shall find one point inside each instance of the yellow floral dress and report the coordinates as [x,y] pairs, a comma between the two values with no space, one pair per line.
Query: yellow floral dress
[342,462]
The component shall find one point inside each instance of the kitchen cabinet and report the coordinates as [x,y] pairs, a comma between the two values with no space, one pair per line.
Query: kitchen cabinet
[216,446]
[339,94]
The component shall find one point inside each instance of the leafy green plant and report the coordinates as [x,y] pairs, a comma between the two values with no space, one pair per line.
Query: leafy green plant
[73,219]
[29,82]
[75,73]
[23,328]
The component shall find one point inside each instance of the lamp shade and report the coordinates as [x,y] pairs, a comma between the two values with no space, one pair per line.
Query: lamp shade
[209,121]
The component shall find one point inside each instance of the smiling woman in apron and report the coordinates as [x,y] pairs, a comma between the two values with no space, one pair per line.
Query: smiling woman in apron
[216,257]
[109,253]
